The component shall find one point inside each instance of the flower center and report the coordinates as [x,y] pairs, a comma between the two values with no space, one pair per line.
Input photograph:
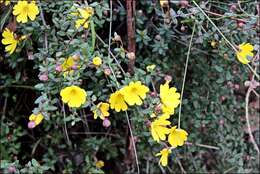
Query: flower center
[73,92]
[25,9]
[134,90]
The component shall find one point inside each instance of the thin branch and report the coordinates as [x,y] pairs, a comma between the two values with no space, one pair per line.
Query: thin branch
[65,126]
[185,73]
[133,141]
[247,118]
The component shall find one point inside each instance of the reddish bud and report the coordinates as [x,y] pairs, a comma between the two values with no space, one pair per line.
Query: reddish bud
[11,169]
[233,7]
[240,24]
[31,124]
[168,78]
[58,68]
[153,94]
[184,3]
[106,123]
[44,77]
[183,28]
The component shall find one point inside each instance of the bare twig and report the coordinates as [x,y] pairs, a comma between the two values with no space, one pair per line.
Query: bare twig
[203,145]
[130,8]
[132,141]
[250,89]
[65,126]
[185,72]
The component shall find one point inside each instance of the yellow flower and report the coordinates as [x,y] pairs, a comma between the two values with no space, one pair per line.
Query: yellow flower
[159,129]
[85,14]
[9,40]
[73,95]
[164,3]
[97,61]
[213,44]
[150,68]
[134,93]
[35,120]
[177,137]
[164,153]
[7,2]
[22,10]
[99,164]
[245,52]
[67,66]
[117,101]
[169,98]
[101,111]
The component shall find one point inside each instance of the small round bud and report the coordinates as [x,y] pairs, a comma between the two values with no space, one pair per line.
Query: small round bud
[168,78]
[233,8]
[44,77]
[105,12]
[117,38]
[164,3]
[225,56]
[31,124]
[236,86]
[153,94]
[97,61]
[107,71]
[76,57]
[158,108]
[158,37]
[221,122]
[183,28]
[240,24]
[74,67]
[106,123]
[11,169]
[148,123]
[131,55]
[58,68]
[184,3]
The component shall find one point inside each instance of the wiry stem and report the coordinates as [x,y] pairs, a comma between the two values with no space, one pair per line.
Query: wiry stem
[185,73]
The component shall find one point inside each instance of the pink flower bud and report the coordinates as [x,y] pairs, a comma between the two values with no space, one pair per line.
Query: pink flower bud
[106,123]
[240,24]
[43,77]
[153,94]
[11,169]
[58,68]
[183,28]
[233,7]
[31,124]
[74,67]
[221,122]
[168,78]
[184,3]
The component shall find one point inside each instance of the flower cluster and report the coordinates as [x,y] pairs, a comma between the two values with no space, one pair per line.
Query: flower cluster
[160,126]
[84,14]
[22,10]
[133,94]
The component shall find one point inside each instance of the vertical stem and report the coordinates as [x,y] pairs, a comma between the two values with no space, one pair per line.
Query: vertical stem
[133,142]
[185,72]
[130,7]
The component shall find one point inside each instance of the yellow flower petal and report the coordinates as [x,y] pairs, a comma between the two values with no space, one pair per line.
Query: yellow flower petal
[164,153]
[117,101]
[73,95]
[22,10]
[134,93]
[177,137]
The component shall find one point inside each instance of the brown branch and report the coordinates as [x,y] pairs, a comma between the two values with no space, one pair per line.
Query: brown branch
[130,7]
